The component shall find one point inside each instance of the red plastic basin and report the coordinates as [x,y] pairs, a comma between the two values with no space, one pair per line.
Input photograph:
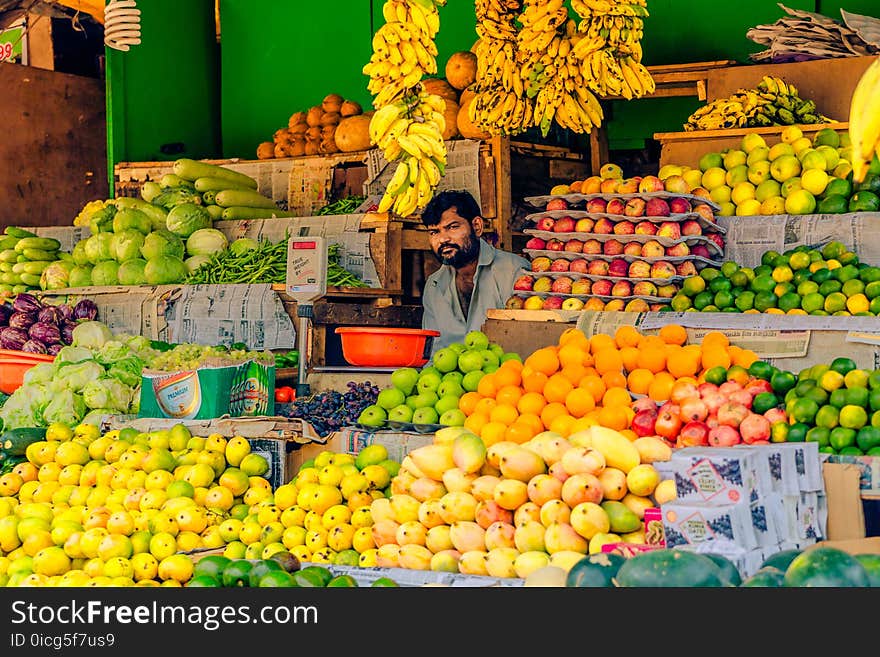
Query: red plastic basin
[386,347]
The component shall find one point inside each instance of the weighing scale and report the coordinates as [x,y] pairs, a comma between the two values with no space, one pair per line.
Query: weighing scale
[306,282]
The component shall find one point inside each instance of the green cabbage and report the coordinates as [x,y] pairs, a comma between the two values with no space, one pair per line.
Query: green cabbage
[194,262]
[107,393]
[79,253]
[66,407]
[127,245]
[132,219]
[91,335]
[206,241]
[242,245]
[131,272]
[104,273]
[69,355]
[164,270]
[42,373]
[127,370]
[160,243]
[99,247]
[56,275]
[187,218]
[75,376]
[80,276]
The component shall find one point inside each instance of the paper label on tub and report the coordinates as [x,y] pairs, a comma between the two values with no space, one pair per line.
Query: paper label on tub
[708,482]
[179,395]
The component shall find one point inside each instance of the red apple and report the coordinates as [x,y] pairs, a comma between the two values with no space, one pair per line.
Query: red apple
[603,226]
[635,207]
[662,269]
[643,423]
[639,269]
[629,185]
[594,303]
[592,247]
[541,263]
[536,244]
[545,223]
[723,436]
[609,185]
[686,268]
[584,225]
[657,207]
[542,284]
[618,268]
[598,267]
[705,210]
[691,227]
[615,206]
[560,264]
[676,184]
[716,237]
[645,289]
[581,286]
[701,250]
[580,266]
[646,228]
[602,288]
[624,228]
[524,283]
[653,249]
[555,245]
[693,434]
[702,192]
[670,229]
[667,291]
[552,303]
[615,305]
[562,285]
[596,205]
[622,289]
[574,246]
[612,247]
[564,225]
[632,248]
[514,303]
[678,250]
[650,184]
[680,205]
[557,204]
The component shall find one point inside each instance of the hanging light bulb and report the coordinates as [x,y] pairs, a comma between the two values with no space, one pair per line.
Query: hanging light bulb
[122,24]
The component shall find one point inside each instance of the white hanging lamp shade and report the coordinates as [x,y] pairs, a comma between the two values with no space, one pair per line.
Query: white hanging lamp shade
[122,24]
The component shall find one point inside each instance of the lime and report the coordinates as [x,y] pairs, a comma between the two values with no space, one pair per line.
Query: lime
[765,300]
[856,397]
[818,370]
[384,581]
[762,283]
[818,435]
[762,270]
[842,365]
[782,382]
[343,581]
[817,394]
[853,287]
[850,450]
[782,274]
[797,432]
[703,299]
[838,398]
[789,301]
[875,419]
[720,284]
[830,287]
[868,438]
[769,257]
[853,417]
[784,288]
[728,267]
[827,417]
[874,399]
[711,308]
[864,201]
[745,300]
[874,307]
[739,279]
[812,301]
[833,249]
[781,260]
[276,579]
[831,380]
[842,437]
[845,273]
[680,302]
[800,276]
[827,449]
[832,203]
[763,402]
[779,431]
[723,299]
[872,290]
[761,370]
[799,260]
[835,302]
[203,581]
[716,375]
[869,274]
[693,285]
[804,410]
[874,380]
[708,273]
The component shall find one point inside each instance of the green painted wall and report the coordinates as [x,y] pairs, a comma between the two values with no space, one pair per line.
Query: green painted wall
[167,89]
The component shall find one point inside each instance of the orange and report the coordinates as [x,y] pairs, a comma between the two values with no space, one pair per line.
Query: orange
[591,371]
[629,433]
[551,412]
[486,386]
[626,336]
[579,402]
[534,382]
[518,432]
[661,387]
[513,364]
[673,334]
[533,420]
[571,355]
[716,338]
[557,388]
[681,362]
[485,406]
[617,397]
[508,395]
[507,376]
[574,336]
[744,358]
[573,373]
[562,425]
[595,385]
[652,358]
[544,360]
[714,356]
[492,433]
[614,380]
[639,380]
[608,360]
[532,403]
[506,414]
[601,341]
[476,422]
[468,402]
[613,417]
[630,357]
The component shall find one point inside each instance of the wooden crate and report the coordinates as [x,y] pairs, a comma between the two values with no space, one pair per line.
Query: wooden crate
[688,147]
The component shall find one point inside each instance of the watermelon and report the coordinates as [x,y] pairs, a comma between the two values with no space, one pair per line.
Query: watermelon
[729,573]
[781,560]
[595,571]
[826,567]
[871,563]
[767,577]
[669,568]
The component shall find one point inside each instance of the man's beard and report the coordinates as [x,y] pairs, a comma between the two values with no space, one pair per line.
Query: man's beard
[459,256]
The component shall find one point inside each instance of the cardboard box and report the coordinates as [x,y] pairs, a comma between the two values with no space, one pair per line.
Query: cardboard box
[718,475]
[279,455]
[869,470]
[870,545]
[846,517]
[690,523]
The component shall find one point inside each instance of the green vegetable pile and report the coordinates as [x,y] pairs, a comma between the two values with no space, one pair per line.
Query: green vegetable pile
[345,205]
[287,359]
[264,263]
[337,275]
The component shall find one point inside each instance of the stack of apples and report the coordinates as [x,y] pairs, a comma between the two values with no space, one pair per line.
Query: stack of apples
[617,253]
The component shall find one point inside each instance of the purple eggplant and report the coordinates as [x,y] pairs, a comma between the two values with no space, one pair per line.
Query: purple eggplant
[67,332]
[48,315]
[64,312]
[22,320]
[5,313]
[26,303]
[45,333]
[34,347]
[85,309]
[53,349]
[12,338]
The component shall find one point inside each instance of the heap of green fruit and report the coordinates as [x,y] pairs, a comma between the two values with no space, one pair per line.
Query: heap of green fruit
[430,396]
[800,281]
[836,405]
[795,176]
[120,509]
[321,516]
[281,570]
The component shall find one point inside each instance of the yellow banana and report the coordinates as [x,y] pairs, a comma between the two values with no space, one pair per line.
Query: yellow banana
[398,180]
[382,120]
[864,120]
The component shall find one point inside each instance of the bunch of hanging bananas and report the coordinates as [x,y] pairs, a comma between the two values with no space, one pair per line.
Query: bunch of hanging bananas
[403,48]
[411,130]
[773,102]
[610,49]
[500,104]
[864,121]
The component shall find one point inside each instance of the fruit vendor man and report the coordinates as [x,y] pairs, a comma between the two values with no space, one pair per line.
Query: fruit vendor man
[474,276]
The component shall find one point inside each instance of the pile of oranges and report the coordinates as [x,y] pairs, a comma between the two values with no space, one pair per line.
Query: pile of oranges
[586,381]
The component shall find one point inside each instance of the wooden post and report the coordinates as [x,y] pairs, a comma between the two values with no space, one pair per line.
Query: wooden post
[598,147]
[504,200]
[41,51]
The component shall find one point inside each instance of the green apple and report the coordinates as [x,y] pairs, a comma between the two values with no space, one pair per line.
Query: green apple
[372,416]
[489,357]
[390,397]
[422,400]
[759,172]
[832,157]
[450,388]
[404,379]
[511,356]
[470,361]
[430,369]
[453,376]
[784,167]
[496,349]
[476,340]
[401,413]
[425,415]
[428,382]
[445,360]
[457,347]
[453,418]
[471,380]
[488,369]
[446,403]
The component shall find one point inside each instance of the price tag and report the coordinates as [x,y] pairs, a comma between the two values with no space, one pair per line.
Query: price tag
[306,268]
[12,43]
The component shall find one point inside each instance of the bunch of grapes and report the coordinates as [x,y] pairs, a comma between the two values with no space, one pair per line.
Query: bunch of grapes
[330,410]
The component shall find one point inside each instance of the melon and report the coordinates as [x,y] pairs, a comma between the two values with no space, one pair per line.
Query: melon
[350,108]
[353,134]
[826,567]
[461,69]
[669,568]
[765,577]
[332,103]
[313,117]
[440,87]
[451,116]
[466,127]
[596,570]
